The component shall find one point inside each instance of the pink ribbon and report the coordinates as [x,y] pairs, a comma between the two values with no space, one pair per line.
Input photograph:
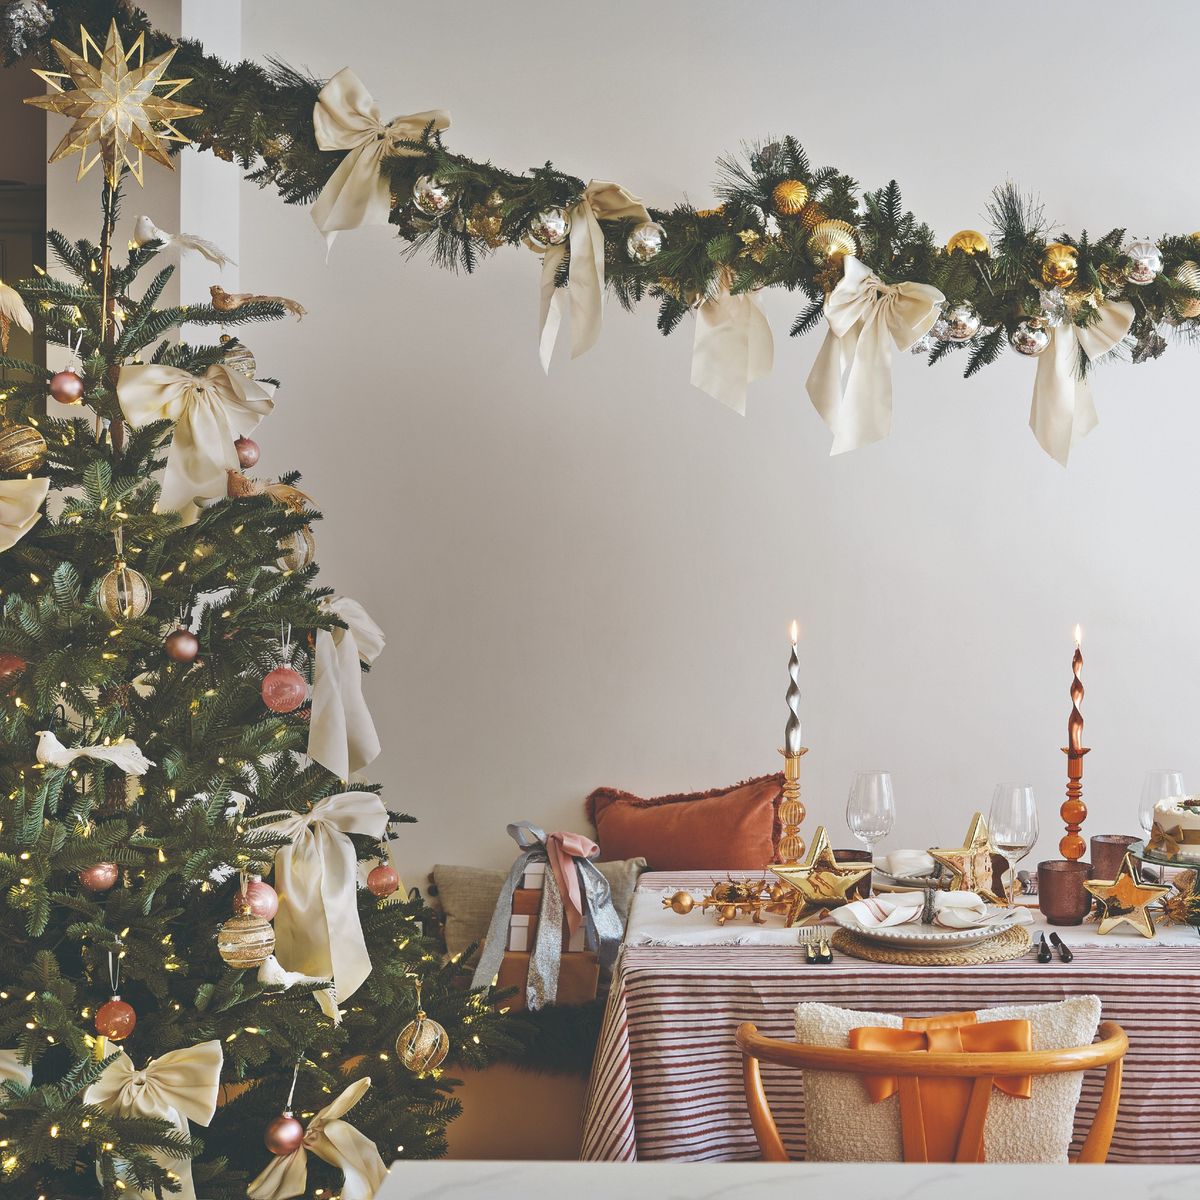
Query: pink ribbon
[562,849]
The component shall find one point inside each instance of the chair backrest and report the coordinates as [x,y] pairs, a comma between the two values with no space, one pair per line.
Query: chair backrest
[909,1067]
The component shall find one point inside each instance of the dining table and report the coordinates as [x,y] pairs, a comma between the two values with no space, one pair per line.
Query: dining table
[666,1080]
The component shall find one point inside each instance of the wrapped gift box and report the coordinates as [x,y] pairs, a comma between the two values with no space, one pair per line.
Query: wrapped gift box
[578,977]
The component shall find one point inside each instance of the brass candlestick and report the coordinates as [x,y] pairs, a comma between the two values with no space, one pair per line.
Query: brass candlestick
[791,808]
[1074,811]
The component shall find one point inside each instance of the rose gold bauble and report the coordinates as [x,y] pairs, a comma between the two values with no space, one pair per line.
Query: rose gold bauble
[11,665]
[115,1020]
[66,387]
[182,646]
[247,451]
[99,877]
[382,881]
[261,898]
[284,690]
[284,1134]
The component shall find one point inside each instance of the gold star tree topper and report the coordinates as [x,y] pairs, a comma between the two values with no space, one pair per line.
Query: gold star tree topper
[1123,900]
[114,105]
[820,882]
[970,864]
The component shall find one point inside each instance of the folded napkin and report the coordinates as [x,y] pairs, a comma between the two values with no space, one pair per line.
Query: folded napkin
[954,910]
[906,864]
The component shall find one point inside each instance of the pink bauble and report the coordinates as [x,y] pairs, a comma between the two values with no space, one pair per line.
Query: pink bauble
[284,690]
[99,877]
[66,387]
[261,898]
[116,1019]
[247,451]
[382,881]
[182,646]
[284,1134]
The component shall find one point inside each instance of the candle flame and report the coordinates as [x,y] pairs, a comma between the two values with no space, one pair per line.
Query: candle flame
[795,632]
[1078,636]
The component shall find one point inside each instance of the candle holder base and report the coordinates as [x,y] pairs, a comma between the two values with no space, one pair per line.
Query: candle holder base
[791,809]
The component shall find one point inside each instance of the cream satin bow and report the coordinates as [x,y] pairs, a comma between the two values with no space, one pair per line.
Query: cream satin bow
[317,930]
[733,346]
[346,118]
[20,508]
[585,290]
[210,411]
[12,1068]
[341,735]
[850,383]
[179,1087]
[1064,410]
[338,1143]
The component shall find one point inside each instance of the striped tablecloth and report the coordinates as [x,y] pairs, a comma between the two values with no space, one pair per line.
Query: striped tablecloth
[666,1081]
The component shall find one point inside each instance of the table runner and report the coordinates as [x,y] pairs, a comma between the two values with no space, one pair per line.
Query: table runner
[666,1081]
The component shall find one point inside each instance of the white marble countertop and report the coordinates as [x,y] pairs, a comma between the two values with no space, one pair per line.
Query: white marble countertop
[754,1181]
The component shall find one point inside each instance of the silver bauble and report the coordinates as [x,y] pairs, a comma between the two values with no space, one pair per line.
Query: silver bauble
[1030,338]
[958,324]
[1053,305]
[645,241]
[550,227]
[431,196]
[1145,262]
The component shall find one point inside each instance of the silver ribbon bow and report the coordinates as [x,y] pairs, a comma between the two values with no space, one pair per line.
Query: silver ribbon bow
[602,926]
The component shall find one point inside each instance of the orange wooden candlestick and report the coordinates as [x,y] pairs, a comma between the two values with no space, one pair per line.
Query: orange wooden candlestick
[1074,811]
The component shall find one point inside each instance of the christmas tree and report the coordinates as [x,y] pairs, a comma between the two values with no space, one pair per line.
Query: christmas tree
[158,753]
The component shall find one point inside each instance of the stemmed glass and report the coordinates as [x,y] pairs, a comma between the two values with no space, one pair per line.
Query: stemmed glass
[871,809]
[1013,823]
[1159,785]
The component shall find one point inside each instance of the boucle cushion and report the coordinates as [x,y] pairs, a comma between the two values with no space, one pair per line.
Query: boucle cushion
[843,1126]
[728,829]
[468,897]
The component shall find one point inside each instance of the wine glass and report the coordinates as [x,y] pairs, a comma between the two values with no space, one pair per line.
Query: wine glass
[1013,823]
[1159,785]
[871,809]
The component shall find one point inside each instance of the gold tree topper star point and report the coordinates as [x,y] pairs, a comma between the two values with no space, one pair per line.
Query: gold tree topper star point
[1124,900]
[820,882]
[970,864]
[114,106]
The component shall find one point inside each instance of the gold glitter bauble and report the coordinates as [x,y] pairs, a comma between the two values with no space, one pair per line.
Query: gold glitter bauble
[22,448]
[969,241]
[832,239]
[423,1044]
[681,903]
[123,594]
[1187,273]
[238,357]
[789,197]
[246,941]
[297,550]
[1060,264]
[484,223]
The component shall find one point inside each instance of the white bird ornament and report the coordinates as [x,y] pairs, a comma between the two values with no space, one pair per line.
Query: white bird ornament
[145,230]
[125,755]
[271,974]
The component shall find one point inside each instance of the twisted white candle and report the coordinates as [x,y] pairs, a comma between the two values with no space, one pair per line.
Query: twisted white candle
[792,740]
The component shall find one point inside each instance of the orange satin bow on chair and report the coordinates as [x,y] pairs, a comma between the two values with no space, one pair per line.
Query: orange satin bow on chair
[941,1118]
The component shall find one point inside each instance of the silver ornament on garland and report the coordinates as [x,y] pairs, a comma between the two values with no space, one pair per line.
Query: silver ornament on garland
[1149,344]
[1145,262]
[431,196]
[1053,306]
[1030,337]
[645,241]
[550,227]
[925,344]
[958,324]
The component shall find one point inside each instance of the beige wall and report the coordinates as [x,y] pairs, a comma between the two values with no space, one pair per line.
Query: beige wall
[586,578]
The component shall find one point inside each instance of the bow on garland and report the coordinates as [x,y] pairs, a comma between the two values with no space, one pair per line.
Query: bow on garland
[733,345]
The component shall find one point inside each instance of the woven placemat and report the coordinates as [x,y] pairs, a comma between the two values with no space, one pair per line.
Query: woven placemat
[1012,943]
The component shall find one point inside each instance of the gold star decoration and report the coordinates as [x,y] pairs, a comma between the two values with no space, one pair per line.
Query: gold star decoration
[1124,900]
[970,864]
[114,105]
[820,882]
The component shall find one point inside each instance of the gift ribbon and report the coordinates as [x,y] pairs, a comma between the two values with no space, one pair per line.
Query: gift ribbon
[210,411]
[338,1143]
[345,117]
[1064,409]
[317,928]
[850,383]
[733,345]
[13,1070]
[180,1086]
[1168,841]
[602,926]
[341,734]
[585,291]
[20,508]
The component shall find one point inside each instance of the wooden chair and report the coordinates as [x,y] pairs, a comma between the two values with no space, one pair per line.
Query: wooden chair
[909,1067]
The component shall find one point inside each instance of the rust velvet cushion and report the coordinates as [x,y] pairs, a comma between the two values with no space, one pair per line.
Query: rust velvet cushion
[728,829]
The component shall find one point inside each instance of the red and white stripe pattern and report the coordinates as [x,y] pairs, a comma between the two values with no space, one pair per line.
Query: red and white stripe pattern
[666,1081]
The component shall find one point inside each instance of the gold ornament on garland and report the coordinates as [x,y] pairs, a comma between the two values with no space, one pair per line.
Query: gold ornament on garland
[789,197]
[819,883]
[423,1044]
[1188,274]
[114,106]
[832,240]
[813,214]
[484,221]
[1060,265]
[1125,900]
[970,864]
[969,241]
[22,448]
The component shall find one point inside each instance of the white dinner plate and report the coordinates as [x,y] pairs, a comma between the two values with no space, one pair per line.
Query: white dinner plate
[916,936]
